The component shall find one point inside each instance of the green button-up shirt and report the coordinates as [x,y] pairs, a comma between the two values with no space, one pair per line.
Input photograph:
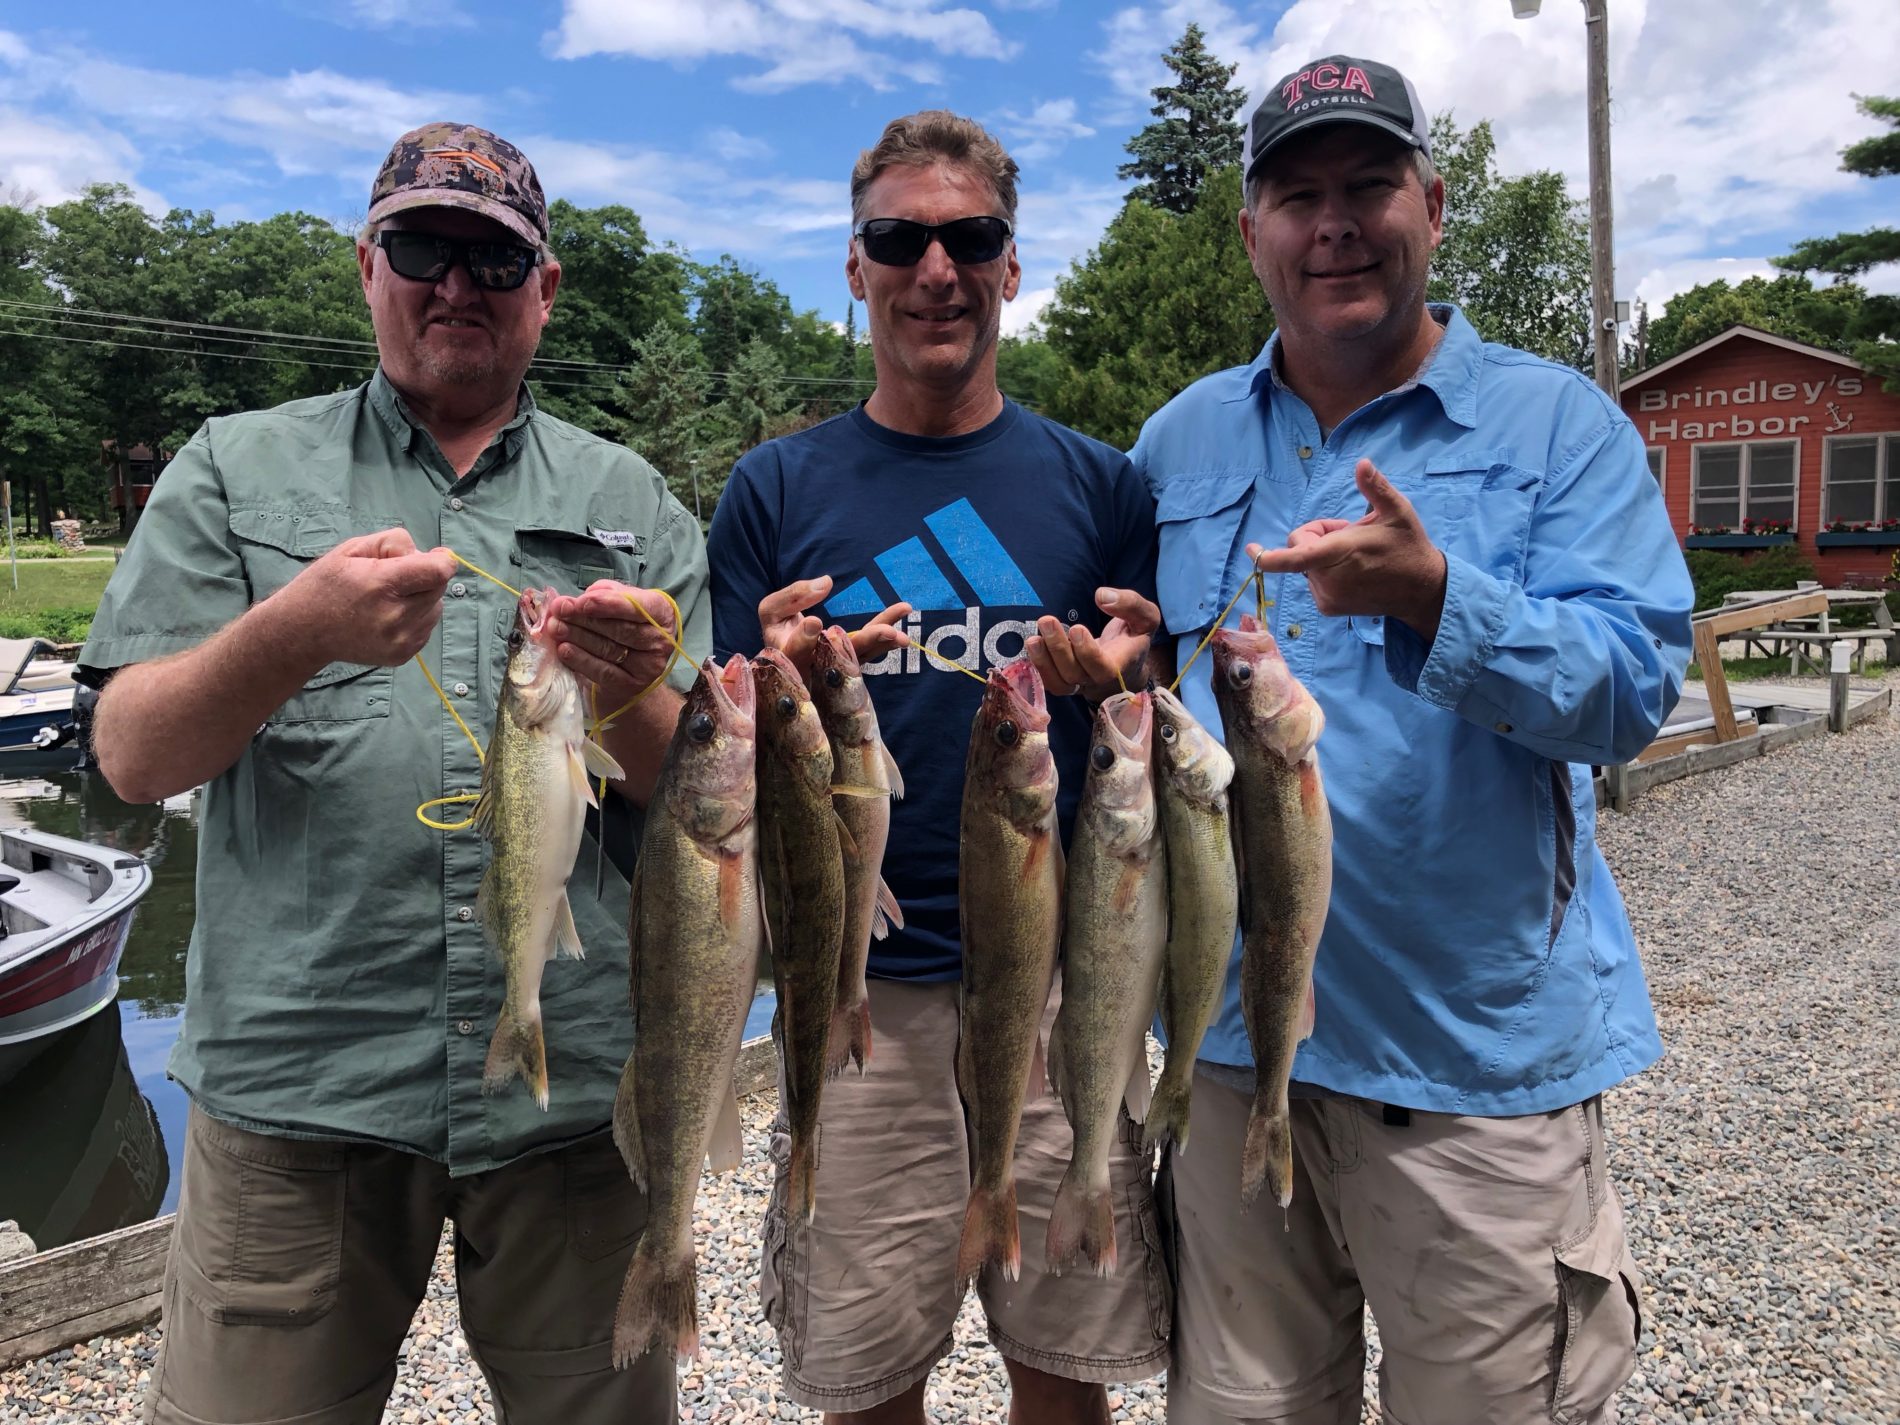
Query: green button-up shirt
[337,983]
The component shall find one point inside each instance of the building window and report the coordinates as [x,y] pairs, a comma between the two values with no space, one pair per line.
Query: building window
[1858,475]
[1747,483]
[1658,463]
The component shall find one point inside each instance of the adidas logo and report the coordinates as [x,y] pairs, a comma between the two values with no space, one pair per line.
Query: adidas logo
[958,566]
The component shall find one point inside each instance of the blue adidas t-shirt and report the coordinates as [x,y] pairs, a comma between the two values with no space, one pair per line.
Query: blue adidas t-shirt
[981,534]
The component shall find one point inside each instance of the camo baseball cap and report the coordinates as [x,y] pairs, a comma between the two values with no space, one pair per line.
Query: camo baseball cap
[1333,90]
[461,166]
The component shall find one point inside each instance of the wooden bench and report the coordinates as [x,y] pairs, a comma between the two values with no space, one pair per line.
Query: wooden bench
[1813,648]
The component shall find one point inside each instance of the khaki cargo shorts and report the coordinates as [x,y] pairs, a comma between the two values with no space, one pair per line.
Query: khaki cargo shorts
[865,1299]
[1490,1250]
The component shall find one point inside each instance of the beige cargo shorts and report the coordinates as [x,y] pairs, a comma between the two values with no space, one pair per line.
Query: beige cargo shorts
[864,1298]
[295,1268]
[1490,1250]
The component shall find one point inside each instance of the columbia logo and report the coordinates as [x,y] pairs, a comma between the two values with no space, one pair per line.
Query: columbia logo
[980,570]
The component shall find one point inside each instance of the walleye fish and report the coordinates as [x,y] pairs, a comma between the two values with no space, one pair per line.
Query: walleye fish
[864,778]
[1192,775]
[1112,944]
[1009,904]
[1284,833]
[803,864]
[695,928]
[532,807]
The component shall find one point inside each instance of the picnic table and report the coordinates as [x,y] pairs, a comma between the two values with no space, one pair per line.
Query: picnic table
[1806,639]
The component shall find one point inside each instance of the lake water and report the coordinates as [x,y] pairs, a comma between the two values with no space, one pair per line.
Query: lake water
[91,1130]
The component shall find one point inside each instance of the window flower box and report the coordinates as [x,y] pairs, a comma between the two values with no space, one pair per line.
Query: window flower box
[1733,540]
[1843,538]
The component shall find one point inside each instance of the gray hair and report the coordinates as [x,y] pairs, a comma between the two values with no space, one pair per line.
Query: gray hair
[1421,164]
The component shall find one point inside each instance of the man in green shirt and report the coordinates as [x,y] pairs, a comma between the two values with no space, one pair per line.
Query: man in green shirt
[339,994]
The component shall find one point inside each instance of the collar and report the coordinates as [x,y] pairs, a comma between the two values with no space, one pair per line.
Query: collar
[389,405]
[1451,374]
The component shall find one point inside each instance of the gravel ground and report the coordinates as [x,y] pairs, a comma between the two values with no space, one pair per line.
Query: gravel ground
[1758,1160]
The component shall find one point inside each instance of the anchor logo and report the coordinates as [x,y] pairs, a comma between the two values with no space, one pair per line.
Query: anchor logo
[1840,422]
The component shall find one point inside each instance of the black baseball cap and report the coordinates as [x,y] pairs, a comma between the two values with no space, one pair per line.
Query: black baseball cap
[1336,89]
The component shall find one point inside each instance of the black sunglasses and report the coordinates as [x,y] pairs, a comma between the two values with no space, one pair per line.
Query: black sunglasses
[898,242]
[423,257]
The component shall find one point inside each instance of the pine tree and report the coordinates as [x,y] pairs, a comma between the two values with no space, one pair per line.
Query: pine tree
[1195,132]
[1875,328]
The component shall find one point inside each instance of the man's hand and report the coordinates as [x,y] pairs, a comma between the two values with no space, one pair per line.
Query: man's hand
[1382,563]
[373,599]
[1071,659]
[610,643]
[784,625]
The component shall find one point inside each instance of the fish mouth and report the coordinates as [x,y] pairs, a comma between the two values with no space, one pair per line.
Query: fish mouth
[1128,718]
[835,647]
[1019,686]
[533,610]
[735,691]
[776,660]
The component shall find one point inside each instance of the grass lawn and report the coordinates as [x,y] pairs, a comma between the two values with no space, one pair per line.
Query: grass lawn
[55,599]
[1744,670]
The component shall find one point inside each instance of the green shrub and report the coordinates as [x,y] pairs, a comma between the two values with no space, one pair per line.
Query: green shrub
[42,549]
[1717,572]
[53,625]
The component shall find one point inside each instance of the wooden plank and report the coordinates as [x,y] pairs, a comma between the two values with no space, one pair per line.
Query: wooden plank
[1780,735]
[1714,681]
[1684,764]
[1670,744]
[1877,706]
[1722,621]
[756,1070]
[71,1293]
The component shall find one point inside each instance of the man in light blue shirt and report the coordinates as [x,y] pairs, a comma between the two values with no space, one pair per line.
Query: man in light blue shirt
[1472,571]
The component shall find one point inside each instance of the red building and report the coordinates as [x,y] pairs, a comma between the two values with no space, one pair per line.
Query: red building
[1761,441]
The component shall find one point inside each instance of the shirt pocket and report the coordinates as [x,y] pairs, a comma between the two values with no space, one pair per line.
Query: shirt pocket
[1198,519]
[276,544]
[1477,507]
[569,557]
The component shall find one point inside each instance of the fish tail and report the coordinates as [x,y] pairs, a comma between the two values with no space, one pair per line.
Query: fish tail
[1082,1225]
[989,1234]
[659,1305]
[801,1187]
[1267,1155]
[1168,1114]
[517,1050]
[850,1037]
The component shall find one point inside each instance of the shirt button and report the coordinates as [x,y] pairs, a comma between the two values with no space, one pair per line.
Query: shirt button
[1502,727]
[458,589]
[465,1028]
[455,503]
[461,690]
[1293,630]
[465,913]
[1306,452]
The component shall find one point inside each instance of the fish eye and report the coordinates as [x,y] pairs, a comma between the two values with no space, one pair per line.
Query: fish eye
[1243,673]
[834,677]
[1167,732]
[1103,756]
[700,727]
[1006,733]
[787,705]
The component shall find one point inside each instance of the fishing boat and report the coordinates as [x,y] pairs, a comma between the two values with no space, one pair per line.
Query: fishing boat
[65,911]
[37,693]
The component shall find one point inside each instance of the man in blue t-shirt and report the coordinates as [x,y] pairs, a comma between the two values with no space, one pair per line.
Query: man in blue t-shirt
[942,516]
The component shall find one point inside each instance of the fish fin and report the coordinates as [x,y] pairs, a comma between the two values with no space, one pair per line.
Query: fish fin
[659,1306]
[627,1128]
[847,843]
[1308,1011]
[517,1050]
[633,931]
[727,1146]
[989,1235]
[482,814]
[1128,887]
[1267,1154]
[577,774]
[731,888]
[890,770]
[1139,1093]
[1166,1125]
[1081,1227]
[1038,849]
[889,914]
[801,1185]
[844,789]
[1237,839]
[567,940]
[599,761]
[1046,1066]
[850,1037]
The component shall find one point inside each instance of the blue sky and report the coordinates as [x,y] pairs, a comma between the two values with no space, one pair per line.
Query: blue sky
[731,125]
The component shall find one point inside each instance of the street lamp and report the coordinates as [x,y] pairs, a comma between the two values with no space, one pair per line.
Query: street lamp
[1603,303]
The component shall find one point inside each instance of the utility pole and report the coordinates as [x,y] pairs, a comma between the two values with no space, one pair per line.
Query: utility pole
[1596,23]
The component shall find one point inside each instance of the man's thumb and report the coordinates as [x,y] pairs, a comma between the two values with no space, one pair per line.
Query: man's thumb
[1380,493]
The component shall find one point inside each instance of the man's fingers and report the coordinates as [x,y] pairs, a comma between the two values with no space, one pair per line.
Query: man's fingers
[1381,494]
[793,599]
[874,640]
[413,573]
[1054,681]
[890,615]
[383,544]
[1055,640]
[1138,613]
[1296,559]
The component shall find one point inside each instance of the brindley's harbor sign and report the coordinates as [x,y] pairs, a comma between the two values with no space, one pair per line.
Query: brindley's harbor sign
[1827,417]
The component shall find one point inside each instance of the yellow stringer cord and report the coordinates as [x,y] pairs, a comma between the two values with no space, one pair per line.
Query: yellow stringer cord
[1258,580]
[597,726]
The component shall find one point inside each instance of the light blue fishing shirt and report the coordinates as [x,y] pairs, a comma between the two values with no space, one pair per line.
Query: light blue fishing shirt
[1477,957]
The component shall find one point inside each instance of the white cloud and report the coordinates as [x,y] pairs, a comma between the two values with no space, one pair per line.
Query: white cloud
[53,162]
[735,147]
[1656,286]
[13,49]
[389,14]
[1026,310]
[804,41]
[1044,131]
